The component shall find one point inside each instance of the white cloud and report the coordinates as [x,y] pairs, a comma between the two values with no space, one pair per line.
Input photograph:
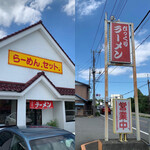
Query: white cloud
[114,71]
[142,53]
[142,32]
[84,74]
[69,8]
[40,4]
[21,12]
[2,34]
[86,7]
[141,75]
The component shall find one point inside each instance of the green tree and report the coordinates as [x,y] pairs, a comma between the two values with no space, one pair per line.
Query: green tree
[143,103]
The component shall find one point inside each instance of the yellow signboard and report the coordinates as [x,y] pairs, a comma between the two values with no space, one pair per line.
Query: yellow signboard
[34,62]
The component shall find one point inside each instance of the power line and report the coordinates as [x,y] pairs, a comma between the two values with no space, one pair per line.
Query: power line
[133,90]
[142,42]
[103,30]
[142,26]
[99,24]
[113,7]
[142,21]
[122,8]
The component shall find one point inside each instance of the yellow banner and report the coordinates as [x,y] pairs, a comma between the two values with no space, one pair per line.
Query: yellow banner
[34,62]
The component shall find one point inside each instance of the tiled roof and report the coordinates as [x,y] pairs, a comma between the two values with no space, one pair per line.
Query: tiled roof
[40,22]
[19,87]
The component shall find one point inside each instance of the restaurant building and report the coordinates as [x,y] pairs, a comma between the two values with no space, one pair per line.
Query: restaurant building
[37,80]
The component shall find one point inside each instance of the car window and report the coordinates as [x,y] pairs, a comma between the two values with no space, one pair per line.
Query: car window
[5,140]
[18,143]
[65,142]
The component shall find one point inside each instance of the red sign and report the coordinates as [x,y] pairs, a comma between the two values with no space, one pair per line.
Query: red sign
[120,43]
[122,116]
[41,104]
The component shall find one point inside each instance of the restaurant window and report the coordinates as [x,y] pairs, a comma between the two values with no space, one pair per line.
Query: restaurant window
[8,115]
[70,111]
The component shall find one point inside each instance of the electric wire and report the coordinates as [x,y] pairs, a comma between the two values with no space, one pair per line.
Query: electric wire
[99,24]
[122,8]
[133,90]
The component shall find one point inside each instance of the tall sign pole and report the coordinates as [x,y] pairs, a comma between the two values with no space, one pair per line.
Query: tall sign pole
[106,82]
[120,55]
[135,86]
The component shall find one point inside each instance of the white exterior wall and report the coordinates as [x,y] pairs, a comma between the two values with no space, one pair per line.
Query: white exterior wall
[59,113]
[47,115]
[21,112]
[34,44]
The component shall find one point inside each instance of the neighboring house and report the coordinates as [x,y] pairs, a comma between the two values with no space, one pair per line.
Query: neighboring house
[83,105]
[115,96]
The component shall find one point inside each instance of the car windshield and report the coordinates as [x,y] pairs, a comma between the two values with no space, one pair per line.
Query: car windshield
[63,142]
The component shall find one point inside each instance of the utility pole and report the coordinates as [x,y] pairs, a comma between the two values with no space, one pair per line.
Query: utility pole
[148,96]
[93,71]
[89,81]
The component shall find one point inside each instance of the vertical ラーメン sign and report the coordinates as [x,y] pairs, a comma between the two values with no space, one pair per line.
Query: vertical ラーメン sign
[120,42]
[122,118]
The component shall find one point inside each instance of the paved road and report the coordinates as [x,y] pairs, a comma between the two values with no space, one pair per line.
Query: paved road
[89,129]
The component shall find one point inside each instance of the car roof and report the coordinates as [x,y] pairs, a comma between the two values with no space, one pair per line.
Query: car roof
[37,132]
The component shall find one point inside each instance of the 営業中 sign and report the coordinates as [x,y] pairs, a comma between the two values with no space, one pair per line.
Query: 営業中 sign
[122,118]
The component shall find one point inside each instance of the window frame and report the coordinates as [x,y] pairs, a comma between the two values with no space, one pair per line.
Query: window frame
[69,110]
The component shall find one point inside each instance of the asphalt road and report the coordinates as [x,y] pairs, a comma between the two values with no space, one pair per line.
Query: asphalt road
[90,129]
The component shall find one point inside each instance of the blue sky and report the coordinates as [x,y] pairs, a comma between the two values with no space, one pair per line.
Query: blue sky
[74,25]
[58,16]
[89,15]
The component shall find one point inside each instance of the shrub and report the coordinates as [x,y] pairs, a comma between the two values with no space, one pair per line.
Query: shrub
[52,123]
[97,114]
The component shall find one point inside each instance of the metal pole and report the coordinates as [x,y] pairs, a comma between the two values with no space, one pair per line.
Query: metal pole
[93,83]
[148,97]
[106,82]
[135,87]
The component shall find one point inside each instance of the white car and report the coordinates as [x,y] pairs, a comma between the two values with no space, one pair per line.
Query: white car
[11,119]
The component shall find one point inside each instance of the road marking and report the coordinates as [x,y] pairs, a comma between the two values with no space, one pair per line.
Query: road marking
[140,120]
[132,127]
[141,131]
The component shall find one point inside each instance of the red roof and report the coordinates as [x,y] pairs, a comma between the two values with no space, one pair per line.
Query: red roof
[40,22]
[19,87]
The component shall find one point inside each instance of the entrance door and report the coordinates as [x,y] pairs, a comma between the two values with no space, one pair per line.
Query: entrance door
[34,116]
